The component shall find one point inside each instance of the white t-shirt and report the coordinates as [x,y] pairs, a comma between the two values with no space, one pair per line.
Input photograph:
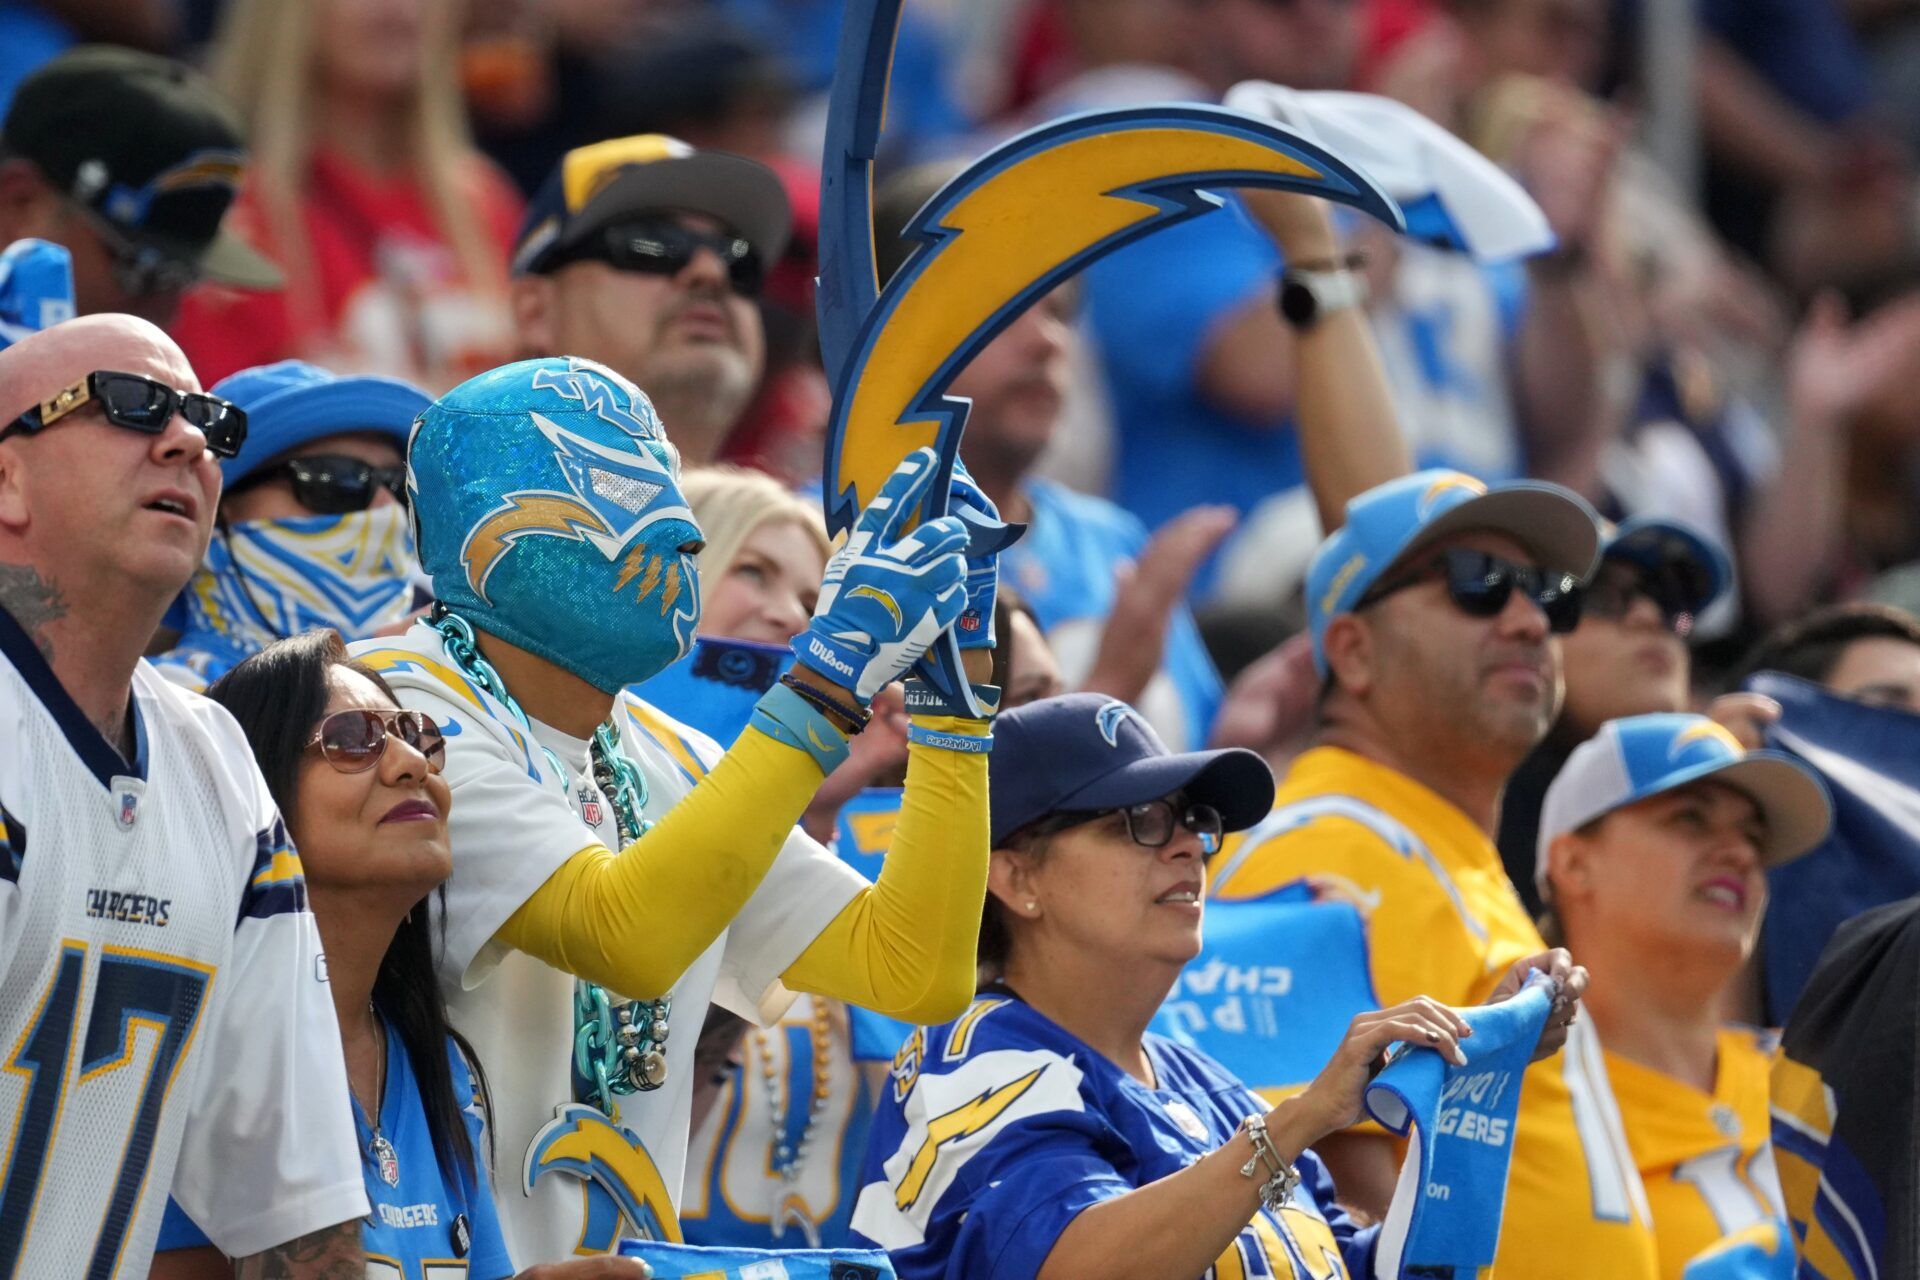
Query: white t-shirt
[164,1013]
[515,819]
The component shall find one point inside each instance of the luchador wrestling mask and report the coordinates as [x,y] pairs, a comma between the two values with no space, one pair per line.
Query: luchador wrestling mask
[547,507]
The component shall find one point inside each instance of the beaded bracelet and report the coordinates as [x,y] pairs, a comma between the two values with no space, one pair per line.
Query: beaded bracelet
[783,715]
[945,740]
[851,717]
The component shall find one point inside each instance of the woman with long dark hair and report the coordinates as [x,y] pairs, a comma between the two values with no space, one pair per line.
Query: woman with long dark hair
[358,781]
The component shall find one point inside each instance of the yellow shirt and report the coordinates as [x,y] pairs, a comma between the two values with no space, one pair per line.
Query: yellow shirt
[1443,920]
[1706,1161]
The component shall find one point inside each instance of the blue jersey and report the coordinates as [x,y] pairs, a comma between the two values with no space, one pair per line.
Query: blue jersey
[421,1228]
[995,1130]
[1064,568]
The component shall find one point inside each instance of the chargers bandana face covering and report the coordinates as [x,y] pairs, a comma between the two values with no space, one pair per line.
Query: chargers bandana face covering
[547,504]
[1445,1216]
[267,579]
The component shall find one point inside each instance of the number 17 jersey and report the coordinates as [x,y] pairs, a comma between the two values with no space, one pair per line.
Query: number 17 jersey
[165,1022]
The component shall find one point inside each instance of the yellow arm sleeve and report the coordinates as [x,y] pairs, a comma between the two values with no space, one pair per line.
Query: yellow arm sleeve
[634,921]
[907,946]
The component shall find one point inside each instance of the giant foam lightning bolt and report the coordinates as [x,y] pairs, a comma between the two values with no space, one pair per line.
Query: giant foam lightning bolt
[1015,224]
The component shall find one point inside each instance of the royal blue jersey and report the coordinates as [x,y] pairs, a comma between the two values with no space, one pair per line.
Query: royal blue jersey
[422,1227]
[997,1129]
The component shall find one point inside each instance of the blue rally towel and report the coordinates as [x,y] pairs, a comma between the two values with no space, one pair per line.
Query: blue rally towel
[1276,982]
[1764,1252]
[1445,1218]
[696,1262]
[714,687]
[1869,758]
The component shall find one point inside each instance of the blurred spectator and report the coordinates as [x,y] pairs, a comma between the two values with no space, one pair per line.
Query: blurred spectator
[1848,681]
[647,255]
[1867,652]
[1845,1118]
[1628,657]
[922,104]
[34,31]
[1652,846]
[1494,370]
[129,162]
[311,532]
[367,190]
[1108,598]
[1432,613]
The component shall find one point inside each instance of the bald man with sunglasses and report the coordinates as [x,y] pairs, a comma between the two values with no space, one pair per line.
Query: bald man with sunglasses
[161,983]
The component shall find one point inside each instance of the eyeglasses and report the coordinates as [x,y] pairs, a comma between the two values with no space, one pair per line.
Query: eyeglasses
[661,248]
[354,741]
[140,404]
[1150,825]
[331,484]
[1480,585]
[1673,584]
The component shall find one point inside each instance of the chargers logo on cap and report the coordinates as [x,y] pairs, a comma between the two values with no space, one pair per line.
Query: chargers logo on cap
[1704,731]
[1110,716]
[1447,484]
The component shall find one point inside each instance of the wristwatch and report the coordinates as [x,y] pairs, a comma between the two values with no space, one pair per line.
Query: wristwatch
[1307,295]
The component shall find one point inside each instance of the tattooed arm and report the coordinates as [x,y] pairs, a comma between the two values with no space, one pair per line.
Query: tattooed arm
[332,1253]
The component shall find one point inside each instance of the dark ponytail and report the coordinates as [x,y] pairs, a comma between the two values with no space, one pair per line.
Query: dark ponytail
[279,696]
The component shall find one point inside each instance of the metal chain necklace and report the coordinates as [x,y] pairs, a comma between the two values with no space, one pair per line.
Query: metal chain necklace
[619,1049]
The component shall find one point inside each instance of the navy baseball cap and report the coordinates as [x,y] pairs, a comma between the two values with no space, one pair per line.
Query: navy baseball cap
[1691,560]
[1390,522]
[292,402]
[596,186]
[1085,752]
[1638,757]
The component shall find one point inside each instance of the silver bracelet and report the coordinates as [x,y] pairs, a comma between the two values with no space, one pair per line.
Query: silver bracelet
[1276,1189]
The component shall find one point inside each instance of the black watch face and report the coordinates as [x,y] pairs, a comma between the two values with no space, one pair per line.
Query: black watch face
[1297,303]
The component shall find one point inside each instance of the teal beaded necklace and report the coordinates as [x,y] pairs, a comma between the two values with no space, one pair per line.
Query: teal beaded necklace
[618,1048]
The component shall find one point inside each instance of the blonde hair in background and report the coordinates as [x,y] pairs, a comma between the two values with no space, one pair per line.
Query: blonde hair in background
[263,58]
[731,502]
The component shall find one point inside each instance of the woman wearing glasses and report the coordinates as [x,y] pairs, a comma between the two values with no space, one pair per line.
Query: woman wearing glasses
[311,531]
[359,782]
[1046,1133]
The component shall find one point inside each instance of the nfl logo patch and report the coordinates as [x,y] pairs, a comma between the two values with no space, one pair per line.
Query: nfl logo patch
[386,1161]
[126,800]
[589,808]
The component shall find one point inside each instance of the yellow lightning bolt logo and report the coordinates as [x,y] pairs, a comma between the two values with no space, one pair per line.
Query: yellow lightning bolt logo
[1016,223]
[968,1118]
[887,602]
[652,570]
[522,515]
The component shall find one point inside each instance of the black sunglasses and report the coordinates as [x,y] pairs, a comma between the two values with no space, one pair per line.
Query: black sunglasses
[1673,584]
[140,404]
[1480,585]
[332,484]
[662,248]
[354,741]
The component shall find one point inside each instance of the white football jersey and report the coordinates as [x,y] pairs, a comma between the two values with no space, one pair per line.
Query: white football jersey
[164,1013]
[564,1177]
